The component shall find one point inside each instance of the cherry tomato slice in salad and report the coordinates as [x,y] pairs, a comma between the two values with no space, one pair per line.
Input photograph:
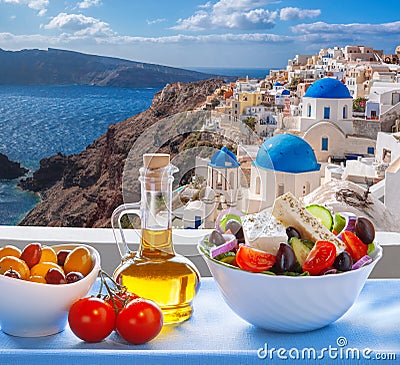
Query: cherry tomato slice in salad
[321,256]
[354,246]
[254,260]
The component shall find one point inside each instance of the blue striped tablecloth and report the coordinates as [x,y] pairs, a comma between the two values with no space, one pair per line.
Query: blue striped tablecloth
[215,335]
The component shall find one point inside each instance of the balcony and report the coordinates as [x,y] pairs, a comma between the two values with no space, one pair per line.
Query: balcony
[185,243]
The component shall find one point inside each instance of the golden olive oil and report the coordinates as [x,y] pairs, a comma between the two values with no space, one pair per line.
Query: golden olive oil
[155,272]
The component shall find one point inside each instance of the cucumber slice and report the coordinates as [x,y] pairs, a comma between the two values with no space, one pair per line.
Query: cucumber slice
[339,222]
[301,251]
[225,218]
[228,257]
[322,214]
[371,248]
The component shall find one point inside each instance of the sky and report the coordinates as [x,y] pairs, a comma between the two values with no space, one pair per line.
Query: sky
[199,33]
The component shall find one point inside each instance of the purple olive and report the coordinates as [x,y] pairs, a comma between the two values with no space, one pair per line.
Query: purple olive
[55,276]
[73,277]
[12,274]
[365,230]
[343,261]
[292,232]
[61,256]
[216,238]
[285,258]
[236,228]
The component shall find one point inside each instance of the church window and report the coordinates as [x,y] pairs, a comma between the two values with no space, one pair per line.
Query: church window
[309,110]
[258,185]
[306,188]
[327,112]
[324,144]
[345,112]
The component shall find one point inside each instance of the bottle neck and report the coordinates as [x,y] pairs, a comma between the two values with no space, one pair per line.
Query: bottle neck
[156,209]
[156,244]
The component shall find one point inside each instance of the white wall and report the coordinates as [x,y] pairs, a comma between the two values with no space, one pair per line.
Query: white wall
[336,113]
[388,142]
[338,143]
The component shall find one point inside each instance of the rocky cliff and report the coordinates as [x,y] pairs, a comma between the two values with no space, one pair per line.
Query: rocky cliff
[83,190]
[60,67]
[9,169]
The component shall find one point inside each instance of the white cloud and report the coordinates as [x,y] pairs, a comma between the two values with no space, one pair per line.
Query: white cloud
[229,14]
[206,5]
[155,21]
[10,39]
[208,38]
[39,5]
[235,5]
[290,13]
[348,29]
[88,3]
[79,25]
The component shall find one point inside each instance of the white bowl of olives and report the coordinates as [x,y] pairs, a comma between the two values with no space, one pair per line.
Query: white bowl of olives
[32,307]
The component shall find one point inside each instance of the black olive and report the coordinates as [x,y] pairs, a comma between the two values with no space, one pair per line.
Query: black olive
[365,230]
[285,258]
[216,238]
[343,261]
[292,232]
[236,228]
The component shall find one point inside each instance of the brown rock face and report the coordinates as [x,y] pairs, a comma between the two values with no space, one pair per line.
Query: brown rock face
[83,190]
[9,169]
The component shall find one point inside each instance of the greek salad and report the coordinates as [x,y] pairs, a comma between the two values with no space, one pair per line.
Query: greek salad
[292,240]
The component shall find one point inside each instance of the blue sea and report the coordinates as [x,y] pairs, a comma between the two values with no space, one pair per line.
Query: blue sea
[39,121]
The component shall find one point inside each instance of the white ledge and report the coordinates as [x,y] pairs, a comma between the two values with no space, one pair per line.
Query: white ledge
[185,242]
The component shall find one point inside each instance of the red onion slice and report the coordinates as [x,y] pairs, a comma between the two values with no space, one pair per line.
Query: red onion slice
[229,245]
[350,224]
[365,260]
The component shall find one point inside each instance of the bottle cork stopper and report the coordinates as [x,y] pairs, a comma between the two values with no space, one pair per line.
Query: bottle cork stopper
[155,160]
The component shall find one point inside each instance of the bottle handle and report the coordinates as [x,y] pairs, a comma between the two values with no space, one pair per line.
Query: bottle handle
[119,212]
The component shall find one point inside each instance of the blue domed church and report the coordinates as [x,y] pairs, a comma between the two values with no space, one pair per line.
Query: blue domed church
[327,99]
[326,121]
[284,162]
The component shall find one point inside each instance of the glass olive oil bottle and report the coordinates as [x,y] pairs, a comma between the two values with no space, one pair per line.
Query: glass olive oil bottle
[155,271]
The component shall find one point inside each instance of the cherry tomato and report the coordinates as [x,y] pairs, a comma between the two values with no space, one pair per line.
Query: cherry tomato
[120,301]
[354,246]
[321,256]
[254,260]
[140,321]
[91,319]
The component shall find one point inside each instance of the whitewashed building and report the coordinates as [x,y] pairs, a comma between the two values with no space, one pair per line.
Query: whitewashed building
[383,97]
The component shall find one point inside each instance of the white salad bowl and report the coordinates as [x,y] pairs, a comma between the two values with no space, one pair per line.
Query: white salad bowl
[289,303]
[30,309]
